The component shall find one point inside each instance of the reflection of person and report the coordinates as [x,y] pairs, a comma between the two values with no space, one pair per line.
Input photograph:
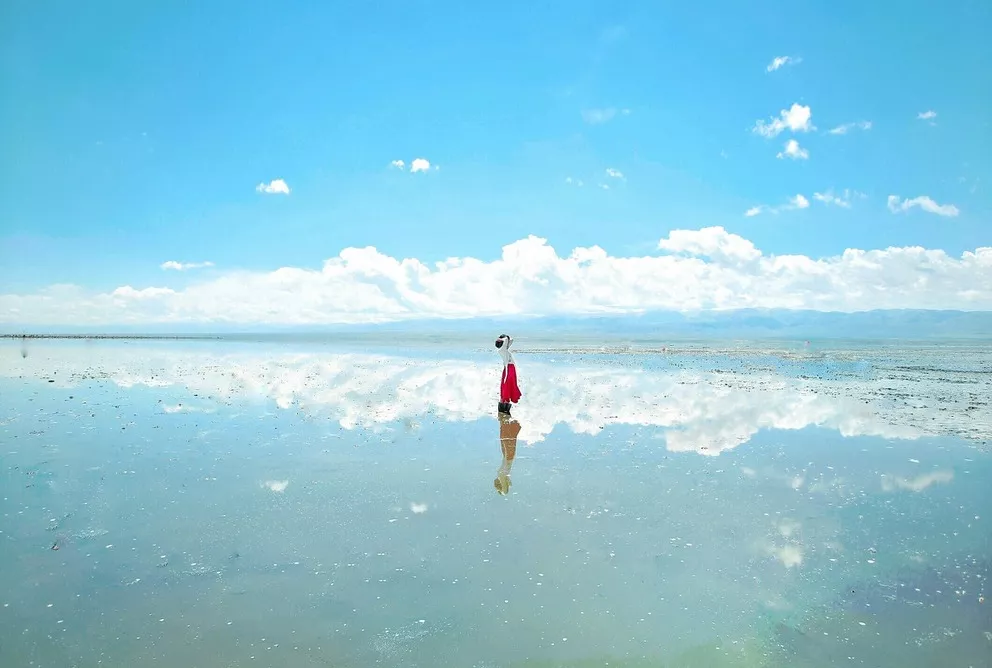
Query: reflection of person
[509,392]
[508,431]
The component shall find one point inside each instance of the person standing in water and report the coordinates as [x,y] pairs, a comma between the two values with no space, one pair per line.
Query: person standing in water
[509,392]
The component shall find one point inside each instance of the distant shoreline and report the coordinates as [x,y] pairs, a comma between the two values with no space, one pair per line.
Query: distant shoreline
[145,337]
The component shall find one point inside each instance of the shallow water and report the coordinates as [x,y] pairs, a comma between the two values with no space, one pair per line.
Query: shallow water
[259,503]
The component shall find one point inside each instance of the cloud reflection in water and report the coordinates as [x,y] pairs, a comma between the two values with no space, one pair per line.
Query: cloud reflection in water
[699,411]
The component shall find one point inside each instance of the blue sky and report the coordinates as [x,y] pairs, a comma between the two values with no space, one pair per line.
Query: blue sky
[138,132]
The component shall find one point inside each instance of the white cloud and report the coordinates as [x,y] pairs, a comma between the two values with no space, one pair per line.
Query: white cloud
[183,266]
[794,151]
[797,202]
[418,508]
[278,486]
[843,201]
[574,182]
[897,205]
[274,187]
[420,165]
[604,186]
[847,127]
[781,61]
[712,242]
[127,292]
[796,118]
[600,116]
[614,173]
[530,278]
[397,164]
[926,115]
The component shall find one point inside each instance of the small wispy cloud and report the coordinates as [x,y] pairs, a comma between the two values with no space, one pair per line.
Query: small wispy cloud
[613,34]
[614,173]
[797,118]
[898,205]
[604,186]
[843,201]
[844,128]
[420,165]
[416,165]
[574,182]
[273,187]
[418,508]
[797,202]
[794,151]
[183,266]
[781,61]
[600,116]
[926,115]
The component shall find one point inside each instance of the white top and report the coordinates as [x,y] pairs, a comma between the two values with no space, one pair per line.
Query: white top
[504,351]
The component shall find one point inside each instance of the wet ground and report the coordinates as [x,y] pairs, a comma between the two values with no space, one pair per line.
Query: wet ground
[221,503]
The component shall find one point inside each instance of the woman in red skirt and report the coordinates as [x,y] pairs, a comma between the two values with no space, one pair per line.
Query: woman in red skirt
[509,392]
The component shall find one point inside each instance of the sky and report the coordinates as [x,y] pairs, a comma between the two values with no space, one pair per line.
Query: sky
[349,162]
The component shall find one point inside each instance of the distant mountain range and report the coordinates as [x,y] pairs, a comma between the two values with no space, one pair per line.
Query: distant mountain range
[747,323]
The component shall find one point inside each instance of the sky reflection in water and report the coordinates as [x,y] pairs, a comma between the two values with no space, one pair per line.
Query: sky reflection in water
[205,504]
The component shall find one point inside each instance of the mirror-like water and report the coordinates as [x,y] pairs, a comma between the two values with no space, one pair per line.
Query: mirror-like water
[237,504]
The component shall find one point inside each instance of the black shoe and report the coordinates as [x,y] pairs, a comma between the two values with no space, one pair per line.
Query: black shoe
[504,407]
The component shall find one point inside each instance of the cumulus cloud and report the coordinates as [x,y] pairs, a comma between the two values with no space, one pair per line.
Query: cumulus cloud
[781,61]
[844,128]
[614,173]
[797,202]
[397,164]
[183,266]
[797,118]
[531,278]
[420,165]
[712,242]
[273,187]
[897,205]
[794,151]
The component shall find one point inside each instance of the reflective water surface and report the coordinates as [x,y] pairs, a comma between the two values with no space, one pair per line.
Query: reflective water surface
[258,504]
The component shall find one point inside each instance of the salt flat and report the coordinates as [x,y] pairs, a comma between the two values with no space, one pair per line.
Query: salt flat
[227,503]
